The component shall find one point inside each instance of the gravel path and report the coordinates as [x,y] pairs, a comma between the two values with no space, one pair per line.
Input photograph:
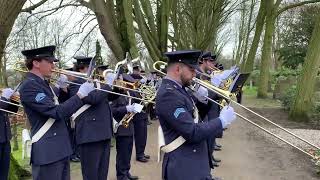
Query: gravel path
[247,154]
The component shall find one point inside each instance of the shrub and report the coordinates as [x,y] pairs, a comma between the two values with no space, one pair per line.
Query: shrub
[288,98]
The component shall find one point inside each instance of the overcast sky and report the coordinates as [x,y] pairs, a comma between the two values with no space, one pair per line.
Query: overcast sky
[71,15]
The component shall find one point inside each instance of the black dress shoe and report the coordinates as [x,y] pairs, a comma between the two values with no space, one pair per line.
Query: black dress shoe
[142,159]
[216,178]
[215,164]
[132,177]
[75,159]
[216,160]
[146,156]
[216,148]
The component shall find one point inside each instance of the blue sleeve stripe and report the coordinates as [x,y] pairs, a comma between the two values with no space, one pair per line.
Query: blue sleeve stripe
[178,111]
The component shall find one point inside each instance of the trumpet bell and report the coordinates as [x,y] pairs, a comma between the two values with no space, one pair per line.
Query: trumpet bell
[105,72]
[130,85]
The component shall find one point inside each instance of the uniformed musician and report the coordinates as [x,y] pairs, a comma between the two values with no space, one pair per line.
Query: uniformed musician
[206,62]
[5,134]
[50,139]
[124,136]
[93,126]
[63,96]
[140,121]
[186,151]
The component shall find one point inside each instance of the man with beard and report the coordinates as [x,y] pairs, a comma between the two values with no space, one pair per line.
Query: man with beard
[185,135]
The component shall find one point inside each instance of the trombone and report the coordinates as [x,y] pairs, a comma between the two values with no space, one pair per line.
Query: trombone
[77,74]
[228,96]
[83,76]
[14,103]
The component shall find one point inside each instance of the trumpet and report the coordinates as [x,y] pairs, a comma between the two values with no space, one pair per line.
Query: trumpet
[228,96]
[128,117]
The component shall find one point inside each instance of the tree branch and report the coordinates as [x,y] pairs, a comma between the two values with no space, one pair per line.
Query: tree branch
[295,5]
[85,39]
[84,3]
[33,7]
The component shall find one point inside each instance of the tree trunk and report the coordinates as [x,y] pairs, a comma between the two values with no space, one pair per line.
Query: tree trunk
[147,36]
[125,23]
[247,64]
[104,11]
[163,24]
[9,11]
[266,52]
[305,88]
[244,53]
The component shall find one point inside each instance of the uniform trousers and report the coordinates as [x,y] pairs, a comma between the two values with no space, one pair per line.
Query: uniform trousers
[124,146]
[59,170]
[5,150]
[95,160]
[140,136]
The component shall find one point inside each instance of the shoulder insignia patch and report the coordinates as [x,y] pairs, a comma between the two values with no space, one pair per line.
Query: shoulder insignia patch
[178,111]
[40,96]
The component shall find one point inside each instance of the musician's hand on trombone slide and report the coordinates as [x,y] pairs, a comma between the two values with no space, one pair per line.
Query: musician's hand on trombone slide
[62,81]
[110,77]
[85,89]
[201,94]
[7,93]
[227,116]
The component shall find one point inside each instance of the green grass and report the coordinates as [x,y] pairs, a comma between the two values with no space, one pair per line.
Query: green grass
[247,91]
[18,153]
[250,99]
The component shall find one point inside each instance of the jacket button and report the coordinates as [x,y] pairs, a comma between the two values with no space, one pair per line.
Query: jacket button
[54,134]
[194,150]
[94,119]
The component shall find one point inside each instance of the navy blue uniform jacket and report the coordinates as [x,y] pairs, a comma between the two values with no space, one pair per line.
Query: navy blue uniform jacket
[119,111]
[94,124]
[174,108]
[37,100]
[5,131]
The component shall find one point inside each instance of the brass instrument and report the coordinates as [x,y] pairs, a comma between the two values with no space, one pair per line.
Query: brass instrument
[150,96]
[225,85]
[14,104]
[228,96]
[80,75]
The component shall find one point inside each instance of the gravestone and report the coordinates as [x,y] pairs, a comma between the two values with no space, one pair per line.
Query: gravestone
[282,85]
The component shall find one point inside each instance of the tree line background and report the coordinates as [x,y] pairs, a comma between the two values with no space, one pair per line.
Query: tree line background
[270,38]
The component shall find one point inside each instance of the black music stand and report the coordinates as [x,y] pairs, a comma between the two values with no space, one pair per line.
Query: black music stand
[238,82]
